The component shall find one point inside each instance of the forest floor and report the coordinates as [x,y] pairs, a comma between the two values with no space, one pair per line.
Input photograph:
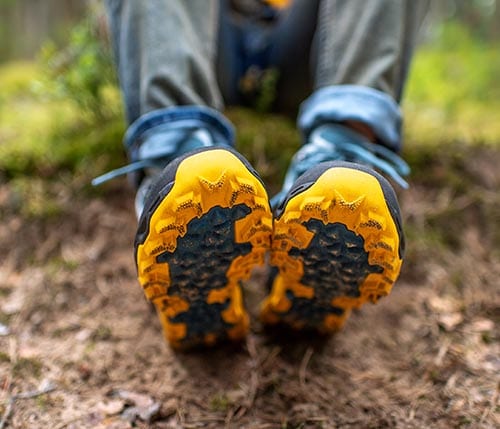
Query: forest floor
[80,347]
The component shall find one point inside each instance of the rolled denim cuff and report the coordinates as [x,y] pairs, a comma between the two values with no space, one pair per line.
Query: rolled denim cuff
[176,121]
[341,103]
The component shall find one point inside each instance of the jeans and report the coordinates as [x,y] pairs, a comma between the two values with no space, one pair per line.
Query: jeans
[338,60]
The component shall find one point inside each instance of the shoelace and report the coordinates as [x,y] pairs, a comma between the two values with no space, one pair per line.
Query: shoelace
[338,143]
[155,154]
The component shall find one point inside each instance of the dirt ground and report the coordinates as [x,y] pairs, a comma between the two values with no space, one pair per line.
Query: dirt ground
[80,347]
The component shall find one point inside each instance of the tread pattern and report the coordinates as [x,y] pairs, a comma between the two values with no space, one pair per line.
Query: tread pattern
[205,236]
[336,247]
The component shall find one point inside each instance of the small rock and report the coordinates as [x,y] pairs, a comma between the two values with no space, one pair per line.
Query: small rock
[13,304]
[141,406]
[147,415]
[111,407]
[83,335]
[4,330]
[131,414]
[449,321]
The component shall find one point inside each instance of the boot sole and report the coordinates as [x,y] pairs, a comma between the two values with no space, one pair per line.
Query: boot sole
[203,230]
[337,243]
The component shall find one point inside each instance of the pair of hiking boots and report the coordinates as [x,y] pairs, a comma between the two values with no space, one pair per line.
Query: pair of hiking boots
[332,236]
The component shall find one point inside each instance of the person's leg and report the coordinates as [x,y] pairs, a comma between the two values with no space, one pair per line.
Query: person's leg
[294,54]
[364,54]
[165,51]
[338,240]
[257,38]
[331,48]
[368,43]
[204,216]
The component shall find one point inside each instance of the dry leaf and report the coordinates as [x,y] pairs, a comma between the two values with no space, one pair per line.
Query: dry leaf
[141,406]
[449,321]
[483,325]
[443,305]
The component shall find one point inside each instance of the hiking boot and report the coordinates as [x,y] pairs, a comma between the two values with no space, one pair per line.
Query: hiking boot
[337,238]
[206,223]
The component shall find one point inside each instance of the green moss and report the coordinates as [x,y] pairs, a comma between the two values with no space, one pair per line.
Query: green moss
[102,333]
[33,199]
[219,402]
[4,357]
[26,367]
[267,140]
[64,113]
[5,291]
[5,318]
[42,402]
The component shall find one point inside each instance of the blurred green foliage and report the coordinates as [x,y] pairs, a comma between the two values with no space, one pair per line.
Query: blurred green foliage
[83,71]
[456,66]
[453,91]
[64,112]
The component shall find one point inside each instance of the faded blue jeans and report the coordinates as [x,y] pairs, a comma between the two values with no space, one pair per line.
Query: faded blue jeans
[180,61]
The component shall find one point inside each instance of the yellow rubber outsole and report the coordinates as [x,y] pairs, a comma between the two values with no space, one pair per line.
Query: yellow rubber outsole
[205,236]
[343,213]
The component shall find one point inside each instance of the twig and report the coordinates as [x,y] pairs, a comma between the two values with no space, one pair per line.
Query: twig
[8,411]
[438,360]
[68,422]
[10,402]
[269,359]
[491,408]
[254,383]
[26,395]
[303,366]
[34,393]
[254,374]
